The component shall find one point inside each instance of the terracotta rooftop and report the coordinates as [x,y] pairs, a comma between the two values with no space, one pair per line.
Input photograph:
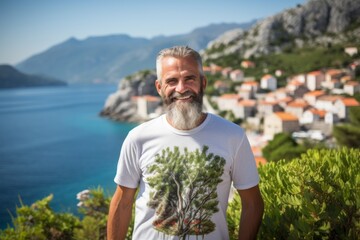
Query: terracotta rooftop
[330,98]
[298,103]
[260,161]
[314,73]
[247,103]
[315,111]
[352,83]
[286,116]
[350,102]
[315,93]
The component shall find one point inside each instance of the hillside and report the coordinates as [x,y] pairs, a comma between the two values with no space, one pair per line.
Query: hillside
[109,58]
[318,23]
[12,78]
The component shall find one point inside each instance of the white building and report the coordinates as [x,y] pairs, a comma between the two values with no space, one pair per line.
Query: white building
[268,82]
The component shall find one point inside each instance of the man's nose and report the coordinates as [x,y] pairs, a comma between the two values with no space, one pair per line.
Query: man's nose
[180,87]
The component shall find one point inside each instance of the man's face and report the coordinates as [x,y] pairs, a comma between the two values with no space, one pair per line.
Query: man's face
[180,81]
[181,89]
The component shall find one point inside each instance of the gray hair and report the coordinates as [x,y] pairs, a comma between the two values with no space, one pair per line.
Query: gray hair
[178,52]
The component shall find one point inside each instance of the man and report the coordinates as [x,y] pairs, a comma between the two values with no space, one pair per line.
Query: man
[183,164]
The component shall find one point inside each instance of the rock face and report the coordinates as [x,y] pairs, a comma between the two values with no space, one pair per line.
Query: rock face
[319,22]
[119,105]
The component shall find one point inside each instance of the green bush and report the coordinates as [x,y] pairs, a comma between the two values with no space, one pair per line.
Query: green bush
[316,196]
[39,221]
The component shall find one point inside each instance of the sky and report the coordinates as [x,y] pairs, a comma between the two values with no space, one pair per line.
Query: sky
[29,27]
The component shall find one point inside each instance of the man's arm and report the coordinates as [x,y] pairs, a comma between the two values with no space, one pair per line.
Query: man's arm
[120,213]
[251,213]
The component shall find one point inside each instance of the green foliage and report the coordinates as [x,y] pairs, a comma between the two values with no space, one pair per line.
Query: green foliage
[95,207]
[349,134]
[314,197]
[39,221]
[283,146]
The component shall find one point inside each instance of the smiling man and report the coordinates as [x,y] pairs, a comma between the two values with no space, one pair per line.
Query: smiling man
[183,164]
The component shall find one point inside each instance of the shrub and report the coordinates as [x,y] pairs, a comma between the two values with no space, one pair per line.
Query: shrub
[314,197]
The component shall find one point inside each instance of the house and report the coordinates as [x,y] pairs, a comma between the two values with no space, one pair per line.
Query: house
[312,96]
[228,101]
[215,68]
[327,102]
[312,115]
[352,87]
[245,108]
[206,70]
[296,88]
[280,122]
[285,101]
[268,82]
[343,105]
[147,105]
[265,108]
[237,75]
[248,89]
[226,72]
[331,118]
[332,78]
[299,78]
[297,107]
[279,73]
[221,86]
[247,64]
[351,50]
[314,80]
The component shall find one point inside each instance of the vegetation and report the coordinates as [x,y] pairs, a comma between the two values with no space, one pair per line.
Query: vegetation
[283,146]
[315,196]
[348,134]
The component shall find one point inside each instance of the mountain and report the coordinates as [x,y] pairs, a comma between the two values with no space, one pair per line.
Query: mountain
[109,58]
[12,78]
[317,23]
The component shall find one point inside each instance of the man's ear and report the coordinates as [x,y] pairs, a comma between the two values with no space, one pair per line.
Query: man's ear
[204,82]
[158,86]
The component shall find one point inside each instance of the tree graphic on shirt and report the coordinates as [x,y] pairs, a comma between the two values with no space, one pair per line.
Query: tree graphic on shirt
[184,191]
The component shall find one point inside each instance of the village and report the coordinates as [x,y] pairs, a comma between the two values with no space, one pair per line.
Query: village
[308,106]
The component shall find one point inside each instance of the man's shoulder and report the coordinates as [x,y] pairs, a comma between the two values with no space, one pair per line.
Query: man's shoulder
[147,127]
[223,124]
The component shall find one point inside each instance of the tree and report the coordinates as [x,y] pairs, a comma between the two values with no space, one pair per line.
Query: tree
[185,202]
[283,146]
[349,134]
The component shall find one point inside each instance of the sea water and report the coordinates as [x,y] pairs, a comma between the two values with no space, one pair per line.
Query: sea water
[53,141]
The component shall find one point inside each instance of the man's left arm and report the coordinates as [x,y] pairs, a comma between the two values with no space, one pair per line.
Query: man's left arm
[251,212]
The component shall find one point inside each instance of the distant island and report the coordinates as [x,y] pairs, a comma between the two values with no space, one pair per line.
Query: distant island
[12,78]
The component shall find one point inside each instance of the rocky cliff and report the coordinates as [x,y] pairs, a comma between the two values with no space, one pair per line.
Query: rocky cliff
[318,22]
[119,106]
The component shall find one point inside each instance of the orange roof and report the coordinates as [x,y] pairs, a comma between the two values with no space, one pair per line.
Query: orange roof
[286,116]
[267,76]
[247,103]
[315,111]
[314,73]
[315,93]
[206,69]
[330,98]
[268,103]
[298,103]
[350,102]
[260,161]
[333,71]
[286,99]
[251,83]
[230,96]
[352,83]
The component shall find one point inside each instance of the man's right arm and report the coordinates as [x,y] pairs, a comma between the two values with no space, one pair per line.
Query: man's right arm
[120,213]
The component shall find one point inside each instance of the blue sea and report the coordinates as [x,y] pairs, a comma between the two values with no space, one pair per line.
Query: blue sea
[53,141]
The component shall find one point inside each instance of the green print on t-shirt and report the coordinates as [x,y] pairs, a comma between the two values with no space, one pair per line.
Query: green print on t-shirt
[184,191]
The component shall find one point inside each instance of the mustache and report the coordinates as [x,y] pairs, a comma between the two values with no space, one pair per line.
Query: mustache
[182,95]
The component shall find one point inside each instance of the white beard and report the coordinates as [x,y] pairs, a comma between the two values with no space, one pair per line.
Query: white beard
[184,116]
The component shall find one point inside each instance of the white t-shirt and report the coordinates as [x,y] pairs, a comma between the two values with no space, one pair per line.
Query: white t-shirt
[184,177]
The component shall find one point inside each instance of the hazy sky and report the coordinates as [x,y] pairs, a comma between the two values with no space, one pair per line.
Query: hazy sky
[28,27]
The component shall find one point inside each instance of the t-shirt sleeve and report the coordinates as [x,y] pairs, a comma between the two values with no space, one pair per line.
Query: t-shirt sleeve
[244,173]
[128,171]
